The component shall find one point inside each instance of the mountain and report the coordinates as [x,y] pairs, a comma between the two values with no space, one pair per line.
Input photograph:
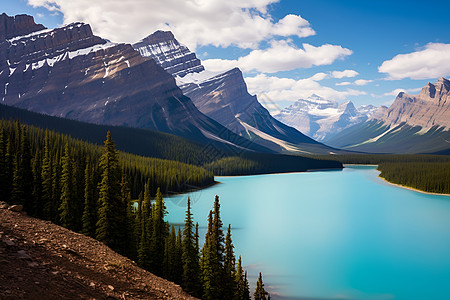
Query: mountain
[321,119]
[224,97]
[71,73]
[412,124]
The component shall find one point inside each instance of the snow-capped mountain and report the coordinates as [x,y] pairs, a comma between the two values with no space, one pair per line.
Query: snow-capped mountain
[412,124]
[224,97]
[320,118]
[69,72]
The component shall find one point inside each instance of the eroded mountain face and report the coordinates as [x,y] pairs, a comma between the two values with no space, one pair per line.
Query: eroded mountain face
[222,96]
[69,72]
[431,107]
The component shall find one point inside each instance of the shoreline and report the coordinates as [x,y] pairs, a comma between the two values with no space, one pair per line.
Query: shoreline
[281,173]
[411,188]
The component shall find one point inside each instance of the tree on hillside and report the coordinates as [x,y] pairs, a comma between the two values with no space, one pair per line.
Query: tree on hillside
[89,218]
[229,267]
[67,207]
[159,234]
[260,292]
[110,220]
[191,267]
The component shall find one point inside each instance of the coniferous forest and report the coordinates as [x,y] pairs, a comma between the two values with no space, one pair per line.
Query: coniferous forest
[429,173]
[117,198]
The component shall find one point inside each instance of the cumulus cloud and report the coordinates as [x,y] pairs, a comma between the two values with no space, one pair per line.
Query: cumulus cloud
[282,56]
[362,81]
[431,62]
[345,73]
[243,23]
[287,89]
[344,83]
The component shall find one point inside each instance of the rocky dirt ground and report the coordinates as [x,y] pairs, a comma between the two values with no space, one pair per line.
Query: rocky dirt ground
[40,260]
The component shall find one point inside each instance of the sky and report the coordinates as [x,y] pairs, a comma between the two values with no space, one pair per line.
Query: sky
[366,51]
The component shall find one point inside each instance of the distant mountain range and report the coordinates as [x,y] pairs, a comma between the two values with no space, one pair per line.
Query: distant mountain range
[71,73]
[322,119]
[224,97]
[412,124]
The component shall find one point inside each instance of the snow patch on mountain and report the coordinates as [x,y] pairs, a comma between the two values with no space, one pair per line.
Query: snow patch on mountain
[320,118]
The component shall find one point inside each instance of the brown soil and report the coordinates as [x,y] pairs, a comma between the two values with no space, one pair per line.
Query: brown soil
[40,260]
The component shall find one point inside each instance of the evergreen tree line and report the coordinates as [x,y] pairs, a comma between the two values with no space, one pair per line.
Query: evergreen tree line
[208,273]
[87,189]
[39,154]
[429,173]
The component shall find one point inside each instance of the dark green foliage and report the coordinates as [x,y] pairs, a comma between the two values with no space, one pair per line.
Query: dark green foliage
[212,262]
[239,282]
[190,255]
[429,173]
[258,163]
[89,218]
[260,292]
[159,234]
[110,211]
[67,207]
[229,267]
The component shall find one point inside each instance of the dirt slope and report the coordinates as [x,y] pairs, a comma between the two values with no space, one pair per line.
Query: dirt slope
[40,260]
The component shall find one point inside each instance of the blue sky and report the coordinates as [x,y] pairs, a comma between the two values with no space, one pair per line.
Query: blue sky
[266,39]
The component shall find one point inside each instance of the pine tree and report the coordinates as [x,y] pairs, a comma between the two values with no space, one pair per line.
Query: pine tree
[158,235]
[260,292]
[246,288]
[127,229]
[109,219]
[229,267]
[46,175]
[37,209]
[56,188]
[213,255]
[239,282]
[4,188]
[191,267]
[67,207]
[89,218]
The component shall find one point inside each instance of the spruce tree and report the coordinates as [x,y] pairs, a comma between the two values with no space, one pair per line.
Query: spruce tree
[4,188]
[37,209]
[229,267]
[67,207]
[239,282]
[56,188]
[46,176]
[89,218]
[191,267]
[246,288]
[260,292]
[159,234]
[109,219]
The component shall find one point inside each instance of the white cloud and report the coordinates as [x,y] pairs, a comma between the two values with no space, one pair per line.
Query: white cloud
[244,23]
[286,89]
[319,76]
[397,91]
[344,83]
[282,56]
[39,15]
[345,73]
[431,62]
[362,81]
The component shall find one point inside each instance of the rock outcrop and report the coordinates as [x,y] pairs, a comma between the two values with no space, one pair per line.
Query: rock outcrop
[428,109]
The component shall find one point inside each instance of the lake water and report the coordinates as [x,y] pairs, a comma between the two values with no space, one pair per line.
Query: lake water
[333,234]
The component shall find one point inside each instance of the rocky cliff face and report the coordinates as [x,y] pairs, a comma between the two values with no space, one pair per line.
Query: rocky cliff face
[174,57]
[224,97]
[430,108]
[320,118]
[71,73]
[412,124]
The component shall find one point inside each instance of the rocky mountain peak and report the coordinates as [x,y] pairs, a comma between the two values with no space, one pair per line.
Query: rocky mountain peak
[159,36]
[431,107]
[11,26]
[173,56]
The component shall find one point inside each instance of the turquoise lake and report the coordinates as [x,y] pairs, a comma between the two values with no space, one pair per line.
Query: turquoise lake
[332,234]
